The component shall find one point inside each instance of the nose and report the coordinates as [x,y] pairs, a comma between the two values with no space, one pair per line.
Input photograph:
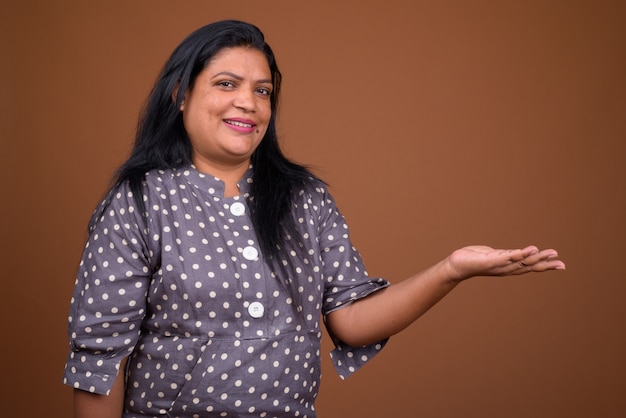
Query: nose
[245,100]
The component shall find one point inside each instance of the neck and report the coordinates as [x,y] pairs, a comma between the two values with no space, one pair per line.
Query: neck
[229,174]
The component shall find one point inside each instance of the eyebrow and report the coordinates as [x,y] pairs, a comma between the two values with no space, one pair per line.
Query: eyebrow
[239,78]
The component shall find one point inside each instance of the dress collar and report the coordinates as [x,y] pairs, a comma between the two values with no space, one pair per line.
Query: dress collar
[212,185]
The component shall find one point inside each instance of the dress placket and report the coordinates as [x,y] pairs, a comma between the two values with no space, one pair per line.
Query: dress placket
[254,313]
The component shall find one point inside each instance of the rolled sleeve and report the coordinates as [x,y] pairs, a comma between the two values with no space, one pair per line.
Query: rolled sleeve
[345,281]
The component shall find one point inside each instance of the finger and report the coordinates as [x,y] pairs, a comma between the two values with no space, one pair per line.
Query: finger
[536,261]
[548,264]
[527,260]
[529,251]
[521,253]
[551,262]
[518,268]
[511,261]
[523,268]
[515,267]
[539,256]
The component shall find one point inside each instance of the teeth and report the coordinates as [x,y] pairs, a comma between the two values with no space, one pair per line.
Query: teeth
[234,122]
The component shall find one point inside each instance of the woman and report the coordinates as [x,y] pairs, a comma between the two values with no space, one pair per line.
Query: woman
[212,257]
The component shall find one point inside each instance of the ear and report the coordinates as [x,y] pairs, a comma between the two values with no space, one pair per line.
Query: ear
[175,97]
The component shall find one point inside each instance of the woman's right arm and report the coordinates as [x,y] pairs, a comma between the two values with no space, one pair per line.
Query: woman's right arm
[94,405]
[107,308]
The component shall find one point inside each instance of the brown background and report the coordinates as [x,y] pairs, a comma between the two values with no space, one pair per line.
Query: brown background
[437,124]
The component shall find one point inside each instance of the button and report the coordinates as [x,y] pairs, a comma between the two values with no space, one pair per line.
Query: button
[238,209]
[250,253]
[256,309]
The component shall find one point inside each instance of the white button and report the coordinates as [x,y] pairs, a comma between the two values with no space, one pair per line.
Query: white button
[250,253]
[256,309]
[238,209]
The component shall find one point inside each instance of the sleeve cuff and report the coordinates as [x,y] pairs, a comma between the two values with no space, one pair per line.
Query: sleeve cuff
[348,359]
[91,373]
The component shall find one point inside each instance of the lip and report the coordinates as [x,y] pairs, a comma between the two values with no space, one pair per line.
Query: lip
[241,125]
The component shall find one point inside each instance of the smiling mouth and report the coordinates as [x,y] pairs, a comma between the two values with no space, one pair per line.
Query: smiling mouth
[237,123]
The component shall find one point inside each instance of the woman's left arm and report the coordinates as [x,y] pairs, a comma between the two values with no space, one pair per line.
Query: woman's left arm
[390,310]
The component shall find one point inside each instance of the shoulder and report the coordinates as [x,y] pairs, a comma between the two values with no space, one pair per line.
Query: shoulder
[312,187]
[125,197]
[315,196]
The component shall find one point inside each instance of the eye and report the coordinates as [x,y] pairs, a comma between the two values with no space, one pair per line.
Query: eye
[264,91]
[226,83]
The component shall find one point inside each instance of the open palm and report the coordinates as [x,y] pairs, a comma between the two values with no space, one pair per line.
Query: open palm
[481,260]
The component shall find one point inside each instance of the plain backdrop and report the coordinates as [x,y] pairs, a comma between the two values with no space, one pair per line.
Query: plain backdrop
[437,124]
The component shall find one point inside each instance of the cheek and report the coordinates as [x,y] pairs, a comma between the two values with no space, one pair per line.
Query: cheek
[201,118]
[267,114]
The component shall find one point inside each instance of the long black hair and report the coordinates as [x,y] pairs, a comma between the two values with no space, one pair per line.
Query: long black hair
[161,141]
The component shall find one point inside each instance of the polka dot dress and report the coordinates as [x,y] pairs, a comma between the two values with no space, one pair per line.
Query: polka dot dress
[210,329]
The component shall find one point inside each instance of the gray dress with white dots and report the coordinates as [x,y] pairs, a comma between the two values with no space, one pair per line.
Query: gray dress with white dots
[209,328]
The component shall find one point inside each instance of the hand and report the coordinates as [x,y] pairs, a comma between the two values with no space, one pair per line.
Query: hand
[480,260]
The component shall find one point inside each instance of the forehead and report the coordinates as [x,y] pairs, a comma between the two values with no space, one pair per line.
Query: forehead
[248,60]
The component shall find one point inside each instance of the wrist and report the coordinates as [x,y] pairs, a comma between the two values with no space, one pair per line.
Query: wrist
[451,270]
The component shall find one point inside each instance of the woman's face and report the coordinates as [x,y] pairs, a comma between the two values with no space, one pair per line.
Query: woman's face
[228,110]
